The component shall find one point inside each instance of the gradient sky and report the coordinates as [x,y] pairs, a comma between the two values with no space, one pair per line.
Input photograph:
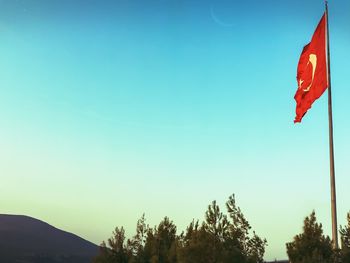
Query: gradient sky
[111,109]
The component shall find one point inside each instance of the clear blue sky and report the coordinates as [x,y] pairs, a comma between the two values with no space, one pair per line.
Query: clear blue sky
[110,109]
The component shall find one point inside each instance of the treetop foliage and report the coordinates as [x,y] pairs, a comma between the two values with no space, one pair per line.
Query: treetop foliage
[220,238]
[345,241]
[312,246]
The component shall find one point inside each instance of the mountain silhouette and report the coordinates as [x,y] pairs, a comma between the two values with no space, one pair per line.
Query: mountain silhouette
[25,239]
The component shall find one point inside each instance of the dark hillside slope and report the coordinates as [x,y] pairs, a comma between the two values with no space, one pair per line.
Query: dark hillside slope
[25,239]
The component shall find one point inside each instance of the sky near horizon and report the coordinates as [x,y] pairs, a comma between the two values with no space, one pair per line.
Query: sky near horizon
[112,109]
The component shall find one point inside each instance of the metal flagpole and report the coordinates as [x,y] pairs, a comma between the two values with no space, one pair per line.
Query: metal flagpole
[331,148]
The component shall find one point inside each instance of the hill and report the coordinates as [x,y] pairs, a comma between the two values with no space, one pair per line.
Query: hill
[25,239]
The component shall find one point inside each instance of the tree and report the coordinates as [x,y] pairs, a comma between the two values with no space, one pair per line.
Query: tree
[116,251]
[160,246]
[311,246]
[221,238]
[196,245]
[247,247]
[345,241]
[216,226]
[135,246]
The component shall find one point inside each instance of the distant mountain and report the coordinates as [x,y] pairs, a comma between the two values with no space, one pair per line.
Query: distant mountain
[25,239]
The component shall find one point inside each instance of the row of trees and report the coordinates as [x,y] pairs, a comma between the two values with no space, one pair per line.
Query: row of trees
[220,238]
[312,246]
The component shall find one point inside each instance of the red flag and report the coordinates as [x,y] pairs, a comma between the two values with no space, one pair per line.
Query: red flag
[312,71]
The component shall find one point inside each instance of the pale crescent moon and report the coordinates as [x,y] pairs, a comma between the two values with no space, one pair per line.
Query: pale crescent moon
[218,20]
[313,61]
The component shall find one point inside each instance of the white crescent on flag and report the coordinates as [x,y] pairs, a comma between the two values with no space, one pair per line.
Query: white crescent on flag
[313,61]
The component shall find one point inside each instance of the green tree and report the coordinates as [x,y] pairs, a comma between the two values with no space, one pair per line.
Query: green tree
[216,226]
[160,246]
[116,251]
[345,241]
[221,238]
[256,249]
[243,246]
[311,246]
[195,245]
[136,245]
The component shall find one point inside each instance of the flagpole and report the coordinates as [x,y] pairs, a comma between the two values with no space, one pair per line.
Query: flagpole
[331,147]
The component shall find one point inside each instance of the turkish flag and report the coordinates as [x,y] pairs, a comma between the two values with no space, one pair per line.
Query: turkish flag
[312,76]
